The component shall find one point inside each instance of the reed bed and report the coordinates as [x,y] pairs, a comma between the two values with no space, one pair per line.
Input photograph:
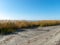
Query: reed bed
[12,26]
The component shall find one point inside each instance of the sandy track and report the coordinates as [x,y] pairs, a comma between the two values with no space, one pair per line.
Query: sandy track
[38,36]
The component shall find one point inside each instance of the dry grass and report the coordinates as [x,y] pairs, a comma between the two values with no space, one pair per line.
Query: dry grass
[9,26]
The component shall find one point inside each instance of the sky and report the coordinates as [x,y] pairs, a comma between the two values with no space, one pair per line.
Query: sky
[29,10]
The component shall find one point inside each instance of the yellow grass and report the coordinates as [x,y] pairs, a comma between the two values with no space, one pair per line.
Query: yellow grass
[9,26]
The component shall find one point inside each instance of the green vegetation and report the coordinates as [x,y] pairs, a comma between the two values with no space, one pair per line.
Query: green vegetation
[9,27]
[7,30]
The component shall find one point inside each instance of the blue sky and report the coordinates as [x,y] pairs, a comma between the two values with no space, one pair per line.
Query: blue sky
[30,9]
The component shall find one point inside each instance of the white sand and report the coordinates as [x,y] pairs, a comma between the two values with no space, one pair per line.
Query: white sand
[39,36]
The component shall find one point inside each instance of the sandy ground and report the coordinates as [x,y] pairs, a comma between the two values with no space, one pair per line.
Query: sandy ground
[37,36]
